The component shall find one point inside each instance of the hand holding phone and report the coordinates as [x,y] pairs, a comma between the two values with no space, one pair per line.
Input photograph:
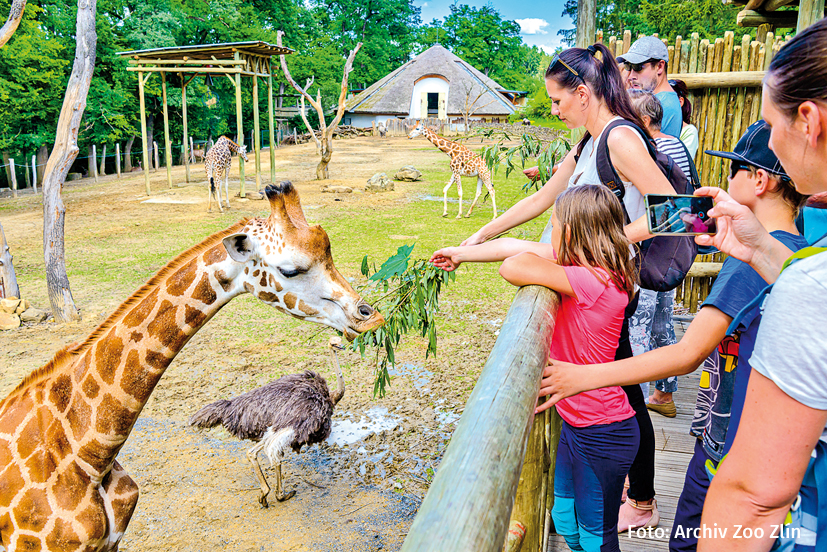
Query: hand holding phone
[679,215]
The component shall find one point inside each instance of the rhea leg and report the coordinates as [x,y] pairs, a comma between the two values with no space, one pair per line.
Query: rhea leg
[476,197]
[280,496]
[252,456]
[445,195]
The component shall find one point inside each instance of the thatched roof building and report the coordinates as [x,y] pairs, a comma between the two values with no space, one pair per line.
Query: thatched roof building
[436,83]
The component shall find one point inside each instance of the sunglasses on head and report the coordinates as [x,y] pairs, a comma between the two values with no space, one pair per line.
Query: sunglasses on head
[556,59]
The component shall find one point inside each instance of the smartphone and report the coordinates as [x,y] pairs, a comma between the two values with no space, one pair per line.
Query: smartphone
[679,215]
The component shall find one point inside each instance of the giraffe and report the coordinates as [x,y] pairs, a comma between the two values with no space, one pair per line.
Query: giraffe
[217,164]
[464,162]
[61,487]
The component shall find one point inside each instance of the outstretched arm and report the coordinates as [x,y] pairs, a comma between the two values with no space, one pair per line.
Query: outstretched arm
[529,268]
[449,258]
[562,379]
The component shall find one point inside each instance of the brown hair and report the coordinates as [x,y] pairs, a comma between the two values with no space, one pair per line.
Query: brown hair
[798,72]
[647,105]
[785,189]
[592,223]
[682,91]
[596,68]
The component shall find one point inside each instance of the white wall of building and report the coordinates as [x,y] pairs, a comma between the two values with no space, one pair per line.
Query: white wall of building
[365,120]
[431,85]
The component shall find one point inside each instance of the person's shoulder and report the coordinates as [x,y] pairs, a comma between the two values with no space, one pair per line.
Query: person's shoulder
[622,135]
[793,241]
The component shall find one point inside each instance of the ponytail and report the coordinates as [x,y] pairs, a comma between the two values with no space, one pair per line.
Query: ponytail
[596,68]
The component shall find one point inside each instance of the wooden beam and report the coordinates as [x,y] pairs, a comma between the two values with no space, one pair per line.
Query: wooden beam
[470,499]
[186,134]
[144,61]
[270,127]
[227,71]
[733,79]
[257,132]
[773,5]
[239,119]
[167,143]
[144,145]
[784,19]
[809,11]
[704,270]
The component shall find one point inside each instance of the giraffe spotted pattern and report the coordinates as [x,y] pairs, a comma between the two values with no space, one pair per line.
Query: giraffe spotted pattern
[217,164]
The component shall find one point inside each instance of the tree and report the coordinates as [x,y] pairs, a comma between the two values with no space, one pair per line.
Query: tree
[325,142]
[471,101]
[15,16]
[60,161]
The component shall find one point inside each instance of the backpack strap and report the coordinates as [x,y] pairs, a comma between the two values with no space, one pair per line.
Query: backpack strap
[693,170]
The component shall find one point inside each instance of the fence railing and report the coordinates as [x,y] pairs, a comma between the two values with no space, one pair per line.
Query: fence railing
[498,445]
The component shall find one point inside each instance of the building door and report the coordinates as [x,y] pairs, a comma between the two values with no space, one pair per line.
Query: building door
[433,104]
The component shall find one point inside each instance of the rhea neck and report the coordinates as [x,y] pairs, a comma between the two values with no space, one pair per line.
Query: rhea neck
[336,396]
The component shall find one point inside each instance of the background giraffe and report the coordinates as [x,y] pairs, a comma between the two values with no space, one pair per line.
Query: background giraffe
[464,162]
[61,429]
[217,164]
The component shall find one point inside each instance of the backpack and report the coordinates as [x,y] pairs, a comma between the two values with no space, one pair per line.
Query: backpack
[664,260]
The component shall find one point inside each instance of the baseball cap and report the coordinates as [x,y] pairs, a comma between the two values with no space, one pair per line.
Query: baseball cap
[644,49]
[753,149]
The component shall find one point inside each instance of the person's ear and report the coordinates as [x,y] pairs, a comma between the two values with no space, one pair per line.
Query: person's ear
[762,182]
[583,92]
[810,122]
[568,233]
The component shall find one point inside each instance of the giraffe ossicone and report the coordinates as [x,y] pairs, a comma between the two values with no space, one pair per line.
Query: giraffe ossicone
[464,162]
[61,488]
[217,164]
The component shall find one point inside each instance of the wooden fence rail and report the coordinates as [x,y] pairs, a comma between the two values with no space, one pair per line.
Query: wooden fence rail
[471,497]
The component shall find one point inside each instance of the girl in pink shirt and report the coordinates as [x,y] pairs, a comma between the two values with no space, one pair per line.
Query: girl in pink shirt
[589,264]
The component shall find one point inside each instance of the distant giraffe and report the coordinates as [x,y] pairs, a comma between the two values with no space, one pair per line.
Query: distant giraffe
[464,162]
[61,487]
[217,164]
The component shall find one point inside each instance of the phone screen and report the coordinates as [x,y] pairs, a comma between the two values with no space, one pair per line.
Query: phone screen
[679,215]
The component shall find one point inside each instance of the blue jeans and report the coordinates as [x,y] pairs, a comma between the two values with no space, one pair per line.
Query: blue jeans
[651,327]
[691,503]
[592,463]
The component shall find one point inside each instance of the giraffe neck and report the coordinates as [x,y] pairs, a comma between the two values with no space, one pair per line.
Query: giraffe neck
[231,145]
[447,146]
[111,381]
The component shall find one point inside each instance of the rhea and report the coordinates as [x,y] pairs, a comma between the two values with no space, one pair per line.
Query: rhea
[285,414]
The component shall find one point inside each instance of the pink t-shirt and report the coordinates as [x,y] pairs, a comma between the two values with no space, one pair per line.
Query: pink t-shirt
[587,332]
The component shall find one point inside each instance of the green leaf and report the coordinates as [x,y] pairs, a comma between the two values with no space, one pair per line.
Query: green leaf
[365,266]
[395,265]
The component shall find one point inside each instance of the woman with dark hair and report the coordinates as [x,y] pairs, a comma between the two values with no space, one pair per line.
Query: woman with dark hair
[782,428]
[689,132]
[587,91]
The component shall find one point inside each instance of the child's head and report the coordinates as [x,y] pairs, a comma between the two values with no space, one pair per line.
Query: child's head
[588,231]
[755,172]
[648,107]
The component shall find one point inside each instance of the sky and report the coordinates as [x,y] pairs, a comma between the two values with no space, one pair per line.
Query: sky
[539,19]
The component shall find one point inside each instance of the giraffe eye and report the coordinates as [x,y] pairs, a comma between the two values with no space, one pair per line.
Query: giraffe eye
[290,272]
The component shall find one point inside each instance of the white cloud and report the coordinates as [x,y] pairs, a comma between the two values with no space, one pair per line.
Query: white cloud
[425,5]
[550,50]
[532,26]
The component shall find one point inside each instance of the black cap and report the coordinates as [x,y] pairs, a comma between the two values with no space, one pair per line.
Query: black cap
[753,149]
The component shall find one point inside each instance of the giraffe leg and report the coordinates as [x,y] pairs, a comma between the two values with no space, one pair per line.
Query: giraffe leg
[227,187]
[458,180]
[476,196]
[252,456]
[445,195]
[280,496]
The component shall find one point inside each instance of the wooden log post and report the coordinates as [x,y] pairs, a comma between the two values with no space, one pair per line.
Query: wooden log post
[239,121]
[167,144]
[257,120]
[144,142]
[93,162]
[102,170]
[185,137]
[118,159]
[13,178]
[809,11]
[470,499]
[155,154]
[34,173]
[586,22]
[8,278]
[270,126]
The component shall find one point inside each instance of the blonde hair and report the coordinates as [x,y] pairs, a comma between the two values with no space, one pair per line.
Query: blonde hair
[592,226]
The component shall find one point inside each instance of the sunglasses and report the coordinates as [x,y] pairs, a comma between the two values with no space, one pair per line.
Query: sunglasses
[735,167]
[556,59]
[636,67]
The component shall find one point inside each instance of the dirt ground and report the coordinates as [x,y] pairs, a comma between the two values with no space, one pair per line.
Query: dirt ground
[361,488]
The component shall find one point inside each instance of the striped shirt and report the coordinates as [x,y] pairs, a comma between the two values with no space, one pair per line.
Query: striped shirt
[674,149]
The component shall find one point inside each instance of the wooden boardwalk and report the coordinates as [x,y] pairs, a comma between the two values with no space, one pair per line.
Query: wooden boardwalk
[673,450]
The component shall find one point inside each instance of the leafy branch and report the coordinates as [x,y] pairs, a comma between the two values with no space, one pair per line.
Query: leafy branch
[546,152]
[409,301]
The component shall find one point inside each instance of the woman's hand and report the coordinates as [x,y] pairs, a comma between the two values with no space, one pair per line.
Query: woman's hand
[739,234]
[476,238]
[560,380]
[447,258]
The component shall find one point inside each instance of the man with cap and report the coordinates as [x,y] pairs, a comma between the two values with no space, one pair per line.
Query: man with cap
[647,63]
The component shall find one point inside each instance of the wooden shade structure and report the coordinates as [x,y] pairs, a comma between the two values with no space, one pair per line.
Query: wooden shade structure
[765,12]
[233,60]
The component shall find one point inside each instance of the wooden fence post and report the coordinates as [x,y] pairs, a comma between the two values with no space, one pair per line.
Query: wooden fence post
[13,178]
[8,278]
[34,173]
[102,171]
[92,162]
[157,162]
[118,159]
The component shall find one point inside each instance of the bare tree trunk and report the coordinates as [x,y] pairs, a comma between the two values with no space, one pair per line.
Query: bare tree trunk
[7,275]
[127,154]
[63,155]
[15,16]
[7,167]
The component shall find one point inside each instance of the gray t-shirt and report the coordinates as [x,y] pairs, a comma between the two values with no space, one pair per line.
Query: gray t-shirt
[791,348]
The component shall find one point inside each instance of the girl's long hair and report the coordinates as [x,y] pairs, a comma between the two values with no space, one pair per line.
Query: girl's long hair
[592,226]
[596,68]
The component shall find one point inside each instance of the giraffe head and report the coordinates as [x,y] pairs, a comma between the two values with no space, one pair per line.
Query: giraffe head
[287,263]
[418,131]
[242,152]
